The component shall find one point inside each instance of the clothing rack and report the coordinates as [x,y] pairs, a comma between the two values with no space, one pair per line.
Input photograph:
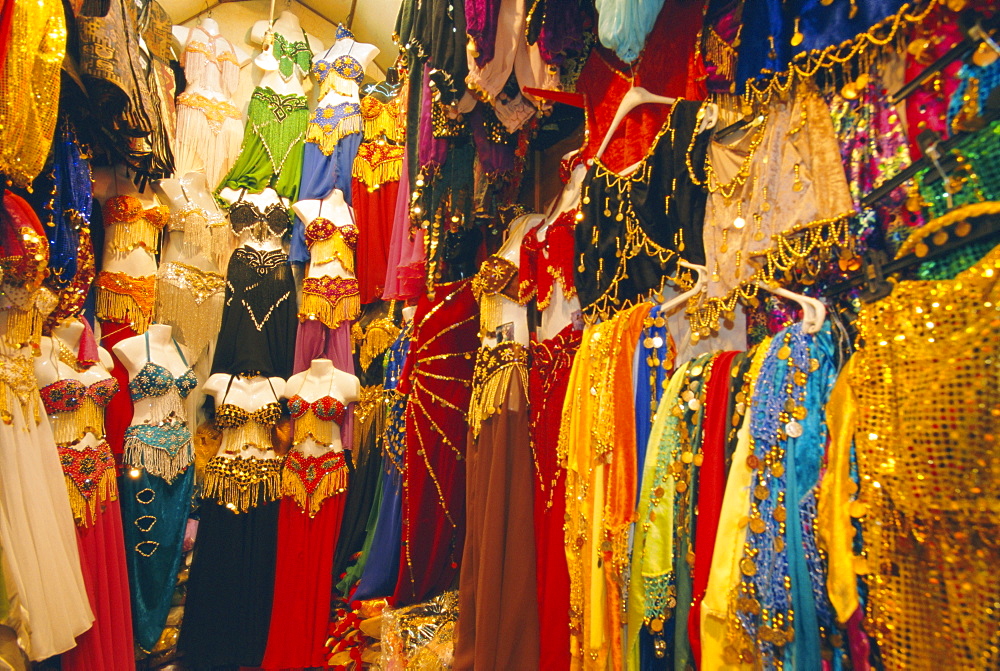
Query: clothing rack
[941,147]
[875,267]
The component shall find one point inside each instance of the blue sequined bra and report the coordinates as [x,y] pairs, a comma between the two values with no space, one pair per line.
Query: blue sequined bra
[155,380]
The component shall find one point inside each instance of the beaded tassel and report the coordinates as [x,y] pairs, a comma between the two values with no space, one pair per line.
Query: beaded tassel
[23,326]
[376,342]
[126,299]
[317,303]
[192,301]
[334,248]
[71,427]
[164,461]
[312,480]
[491,379]
[242,483]
[327,136]
[376,164]
[85,488]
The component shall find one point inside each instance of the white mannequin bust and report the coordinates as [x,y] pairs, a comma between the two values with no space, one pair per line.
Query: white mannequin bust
[176,193]
[321,379]
[408,313]
[164,351]
[336,209]
[183,33]
[288,26]
[117,181]
[248,393]
[261,201]
[561,309]
[511,312]
[108,183]
[49,369]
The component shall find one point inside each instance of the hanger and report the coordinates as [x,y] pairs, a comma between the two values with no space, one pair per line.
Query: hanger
[813,310]
[699,286]
[636,96]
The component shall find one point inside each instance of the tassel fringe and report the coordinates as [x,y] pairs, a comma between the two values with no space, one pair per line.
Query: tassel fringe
[331,484]
[327,141]
[376,342]
[85,509]
[241,484]
[373,176]
[156,460]
[491,381]
[334,248]
[331,313]
[126,299]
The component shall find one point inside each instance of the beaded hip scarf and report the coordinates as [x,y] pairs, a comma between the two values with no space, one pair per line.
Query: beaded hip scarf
[312,480]
[331,300]
[125,299]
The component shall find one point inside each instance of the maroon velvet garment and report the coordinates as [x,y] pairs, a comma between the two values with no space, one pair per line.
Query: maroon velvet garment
[438,378]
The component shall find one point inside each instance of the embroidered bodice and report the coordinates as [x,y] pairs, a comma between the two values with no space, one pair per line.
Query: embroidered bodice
[210,63]
[245,217]
[76,408]
[549,261]
[128,225]
[378,118]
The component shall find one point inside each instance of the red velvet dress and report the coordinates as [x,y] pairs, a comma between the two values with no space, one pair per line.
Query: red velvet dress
[438,378]
[605,80]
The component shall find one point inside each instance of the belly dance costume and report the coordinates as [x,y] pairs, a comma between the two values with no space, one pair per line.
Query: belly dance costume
[497,594]
[271,154]
[120,297]
[230,589]
[156,494]
[438,380]
[76,409]
[314,490]
[41,558]
[372,335]
[258,320]
[382,567]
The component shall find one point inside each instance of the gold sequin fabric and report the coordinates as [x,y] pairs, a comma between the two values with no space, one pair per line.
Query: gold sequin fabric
[126,299]
[29,87]
[927,380]
[129,225]
[191,300]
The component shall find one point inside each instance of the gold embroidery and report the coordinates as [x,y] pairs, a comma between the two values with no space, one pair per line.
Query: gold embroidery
[215,111]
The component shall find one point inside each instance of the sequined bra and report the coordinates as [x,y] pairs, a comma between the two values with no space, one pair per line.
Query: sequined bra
[343,68]
[291,54]
[129,225]
[154,380]
[246,218]
[76,408]
[381,118]
[329,242]
[327,408]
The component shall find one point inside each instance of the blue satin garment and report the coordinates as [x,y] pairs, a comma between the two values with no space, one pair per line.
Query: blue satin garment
[154,516]
[321,174]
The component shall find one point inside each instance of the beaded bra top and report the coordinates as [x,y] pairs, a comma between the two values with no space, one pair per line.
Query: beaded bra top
[76,408]
[547,262]
[230,416]
[327,408]
[244,217]
[291,54]
[154,380]
[129,225]
[328,242]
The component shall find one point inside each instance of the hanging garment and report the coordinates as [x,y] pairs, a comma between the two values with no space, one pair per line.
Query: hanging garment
[497,594]
[41,557]
[258,320]
[382,567]
[636,226]
[438,368]
[191,300]
[209,125]
[271,153]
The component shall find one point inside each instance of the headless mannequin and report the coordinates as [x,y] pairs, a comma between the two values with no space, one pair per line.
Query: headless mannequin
[111,182]
[287,25]
[261,201]
[321,379]
[561,310]
[162,351]
[336,209]
[49,369]
[183,33]
[511,312]
[408,313]
[250,394]
[176,193]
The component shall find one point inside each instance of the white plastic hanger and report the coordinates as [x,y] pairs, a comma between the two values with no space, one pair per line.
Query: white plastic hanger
[813,310]
[699,286]
[636,96]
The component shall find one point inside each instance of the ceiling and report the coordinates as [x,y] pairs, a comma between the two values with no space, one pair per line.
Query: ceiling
[374,20]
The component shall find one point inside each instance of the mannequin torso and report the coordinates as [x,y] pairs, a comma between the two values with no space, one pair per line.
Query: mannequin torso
[287,25]
[259,237]
[250,394]
[335,209]
[322,379]
[156,346]
[190,193]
